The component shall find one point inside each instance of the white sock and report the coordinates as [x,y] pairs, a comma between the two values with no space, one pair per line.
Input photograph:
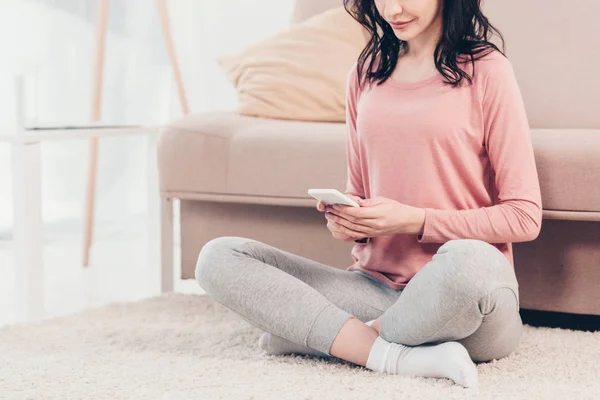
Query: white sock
[445,360]
[276,345]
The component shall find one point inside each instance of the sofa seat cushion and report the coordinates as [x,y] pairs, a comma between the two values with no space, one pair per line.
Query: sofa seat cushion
[226,153]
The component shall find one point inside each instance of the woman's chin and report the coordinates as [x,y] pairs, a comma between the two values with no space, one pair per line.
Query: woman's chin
[405,36]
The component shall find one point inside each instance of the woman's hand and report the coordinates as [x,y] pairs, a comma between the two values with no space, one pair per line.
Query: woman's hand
[379,216]
[335,229]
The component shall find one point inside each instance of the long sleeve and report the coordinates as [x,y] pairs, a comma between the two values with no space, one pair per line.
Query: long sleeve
[516,215]
[354,183]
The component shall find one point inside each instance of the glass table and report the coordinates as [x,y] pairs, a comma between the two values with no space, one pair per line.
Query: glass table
[25,142]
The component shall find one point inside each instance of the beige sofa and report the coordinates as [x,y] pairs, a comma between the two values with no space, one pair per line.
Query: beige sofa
[246,176]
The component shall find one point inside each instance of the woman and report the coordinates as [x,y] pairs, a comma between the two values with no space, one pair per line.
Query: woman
[441,161]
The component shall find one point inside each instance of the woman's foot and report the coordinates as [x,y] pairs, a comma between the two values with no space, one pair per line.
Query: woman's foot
[445,360]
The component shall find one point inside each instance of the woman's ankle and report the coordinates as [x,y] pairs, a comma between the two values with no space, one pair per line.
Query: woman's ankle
[377,325]
[354,341]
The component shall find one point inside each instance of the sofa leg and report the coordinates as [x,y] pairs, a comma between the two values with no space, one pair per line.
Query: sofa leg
[166,240]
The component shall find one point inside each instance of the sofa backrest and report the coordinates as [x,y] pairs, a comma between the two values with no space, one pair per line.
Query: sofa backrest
[554,46]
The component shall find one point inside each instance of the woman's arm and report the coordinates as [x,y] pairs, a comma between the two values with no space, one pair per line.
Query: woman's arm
[517,216]
[354,184]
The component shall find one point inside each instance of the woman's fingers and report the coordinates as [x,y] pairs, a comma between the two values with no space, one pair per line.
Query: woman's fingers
[346,223]
[333,226]
[336,232]
[321,206]
[355,198]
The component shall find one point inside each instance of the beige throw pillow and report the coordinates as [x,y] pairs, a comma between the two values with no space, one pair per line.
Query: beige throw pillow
[299,74]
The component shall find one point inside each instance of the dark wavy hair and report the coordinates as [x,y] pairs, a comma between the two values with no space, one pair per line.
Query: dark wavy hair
[465,32]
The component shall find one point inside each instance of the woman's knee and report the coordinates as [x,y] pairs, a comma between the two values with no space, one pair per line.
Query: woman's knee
[212,264]
[473,249]
[478,263]
[502,346]
[463,280]
[501,328]
[507,345]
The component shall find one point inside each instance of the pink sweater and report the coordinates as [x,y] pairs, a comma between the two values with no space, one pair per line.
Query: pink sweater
[463,154]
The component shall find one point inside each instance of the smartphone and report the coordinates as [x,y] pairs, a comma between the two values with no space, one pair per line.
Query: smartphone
[332,196]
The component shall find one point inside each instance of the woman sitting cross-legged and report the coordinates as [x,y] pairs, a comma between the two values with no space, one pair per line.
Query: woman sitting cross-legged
[440,160]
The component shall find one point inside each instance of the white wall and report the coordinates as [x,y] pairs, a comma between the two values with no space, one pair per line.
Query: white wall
[52,41]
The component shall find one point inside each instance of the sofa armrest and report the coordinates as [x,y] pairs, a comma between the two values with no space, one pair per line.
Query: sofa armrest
[591,216]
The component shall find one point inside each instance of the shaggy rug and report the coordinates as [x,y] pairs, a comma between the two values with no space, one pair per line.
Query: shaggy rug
[181,346]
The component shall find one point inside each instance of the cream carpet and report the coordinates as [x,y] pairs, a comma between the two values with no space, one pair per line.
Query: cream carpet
[180,346]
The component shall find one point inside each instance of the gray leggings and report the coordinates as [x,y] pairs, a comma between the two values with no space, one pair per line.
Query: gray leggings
[468,293]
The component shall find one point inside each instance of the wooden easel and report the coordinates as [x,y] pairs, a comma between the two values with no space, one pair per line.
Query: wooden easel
[98,72]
